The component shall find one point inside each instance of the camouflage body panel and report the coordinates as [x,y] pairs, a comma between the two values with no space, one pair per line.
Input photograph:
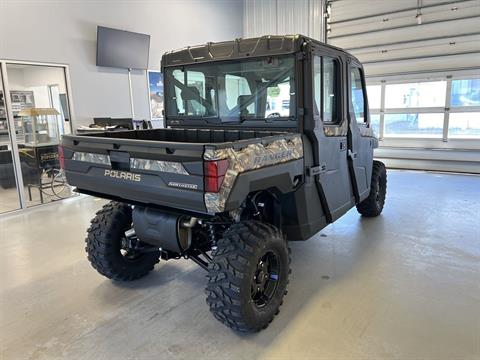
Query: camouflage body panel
[251,157]
[342,130]
[335,130]
[158,165]
[366,131]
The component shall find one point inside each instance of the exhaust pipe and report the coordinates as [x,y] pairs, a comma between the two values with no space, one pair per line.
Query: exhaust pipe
[168,231]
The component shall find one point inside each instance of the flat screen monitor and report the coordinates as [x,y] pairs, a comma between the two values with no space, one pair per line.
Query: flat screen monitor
[122,49]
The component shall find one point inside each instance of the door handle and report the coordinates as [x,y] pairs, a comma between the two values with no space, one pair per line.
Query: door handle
[352,155]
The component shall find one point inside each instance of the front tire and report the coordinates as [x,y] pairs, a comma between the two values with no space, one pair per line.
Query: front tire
[106,245]
[373,204]
[248,276]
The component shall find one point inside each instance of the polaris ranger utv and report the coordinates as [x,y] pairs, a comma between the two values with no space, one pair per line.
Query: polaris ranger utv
[267,140]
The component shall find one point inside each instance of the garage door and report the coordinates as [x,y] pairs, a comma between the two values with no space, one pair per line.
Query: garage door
[423,74]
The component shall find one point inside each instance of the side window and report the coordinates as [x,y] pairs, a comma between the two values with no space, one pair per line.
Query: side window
[357,98]
[330,91]
[317,84]
[325,82]
[179,76]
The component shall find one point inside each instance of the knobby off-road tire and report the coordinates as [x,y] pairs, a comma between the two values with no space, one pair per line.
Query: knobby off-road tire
[250,255]
[373,204]
[104,245]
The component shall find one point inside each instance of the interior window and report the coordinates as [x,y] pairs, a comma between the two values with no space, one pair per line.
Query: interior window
[236,86]
[194,92]
[415,94]
[330,72]
[198,97]
[357,100]
[466,92]
[374,93]
[278,100]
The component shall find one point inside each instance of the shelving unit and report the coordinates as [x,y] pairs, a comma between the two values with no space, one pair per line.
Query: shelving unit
[21,100]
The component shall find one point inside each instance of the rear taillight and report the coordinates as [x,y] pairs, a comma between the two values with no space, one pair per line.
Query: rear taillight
[61,157]
[214,173]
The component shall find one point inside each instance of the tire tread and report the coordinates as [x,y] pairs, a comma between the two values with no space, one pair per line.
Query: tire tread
[100,248]
[231,259]
[368,207]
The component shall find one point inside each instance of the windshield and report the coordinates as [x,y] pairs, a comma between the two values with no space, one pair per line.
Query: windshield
[257,89]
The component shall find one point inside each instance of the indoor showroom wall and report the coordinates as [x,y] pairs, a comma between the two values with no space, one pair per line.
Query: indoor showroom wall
[64,31]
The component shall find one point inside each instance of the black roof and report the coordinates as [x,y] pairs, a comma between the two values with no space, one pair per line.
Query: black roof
[240,49]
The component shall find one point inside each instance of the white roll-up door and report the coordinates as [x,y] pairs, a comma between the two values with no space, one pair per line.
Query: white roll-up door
[422,63]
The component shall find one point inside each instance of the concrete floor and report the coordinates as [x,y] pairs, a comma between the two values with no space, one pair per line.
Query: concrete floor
[9,200]
[401,286]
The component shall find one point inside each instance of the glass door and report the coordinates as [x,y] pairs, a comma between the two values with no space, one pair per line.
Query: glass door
[9,197]
[39,113]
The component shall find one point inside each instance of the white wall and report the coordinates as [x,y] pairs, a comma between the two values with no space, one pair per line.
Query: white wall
[24,77]
[284,17]
[64,31]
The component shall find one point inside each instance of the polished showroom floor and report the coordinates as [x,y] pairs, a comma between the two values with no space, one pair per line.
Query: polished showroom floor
[404,285]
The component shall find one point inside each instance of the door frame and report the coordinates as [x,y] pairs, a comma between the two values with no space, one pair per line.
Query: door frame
[354,125]
[320,127]
[11,123]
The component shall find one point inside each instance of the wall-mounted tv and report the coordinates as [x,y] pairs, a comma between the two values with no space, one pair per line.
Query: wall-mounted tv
[122,49]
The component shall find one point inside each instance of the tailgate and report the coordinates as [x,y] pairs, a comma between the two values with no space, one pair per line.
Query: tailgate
[147,172]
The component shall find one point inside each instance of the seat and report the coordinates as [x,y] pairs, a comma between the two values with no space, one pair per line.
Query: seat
[241,103]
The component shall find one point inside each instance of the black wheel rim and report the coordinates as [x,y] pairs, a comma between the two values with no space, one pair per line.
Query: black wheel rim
[265,279]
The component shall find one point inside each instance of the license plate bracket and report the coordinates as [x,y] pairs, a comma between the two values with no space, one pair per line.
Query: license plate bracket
[120,160]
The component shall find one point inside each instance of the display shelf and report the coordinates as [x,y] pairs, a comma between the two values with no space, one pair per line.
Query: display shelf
[40,126]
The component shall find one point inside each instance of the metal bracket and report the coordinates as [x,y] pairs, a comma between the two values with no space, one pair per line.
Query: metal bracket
[316,170]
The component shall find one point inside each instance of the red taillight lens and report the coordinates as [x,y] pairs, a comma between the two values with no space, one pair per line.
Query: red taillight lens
[214,172]
[61,157]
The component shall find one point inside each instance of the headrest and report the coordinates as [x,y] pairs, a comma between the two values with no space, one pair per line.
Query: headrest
[242,99]
[191,93]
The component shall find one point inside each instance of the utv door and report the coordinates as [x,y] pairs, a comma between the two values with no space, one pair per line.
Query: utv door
[331,128]
[360,143]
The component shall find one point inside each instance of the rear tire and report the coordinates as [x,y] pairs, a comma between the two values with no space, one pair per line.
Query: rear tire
[373,204]
[104,245]
[248,276]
